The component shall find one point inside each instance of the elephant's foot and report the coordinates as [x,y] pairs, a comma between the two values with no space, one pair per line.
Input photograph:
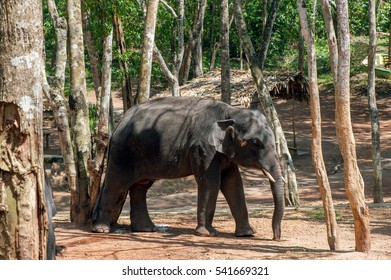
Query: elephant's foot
[143,226]
[206,231]
[245,232]
[101,228]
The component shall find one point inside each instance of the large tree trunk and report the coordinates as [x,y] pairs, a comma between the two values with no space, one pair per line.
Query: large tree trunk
[317,153]
[354,183]
[146,61]
[291,195]
[80,202]
[225,57]
[23,216]
[376,155]
[56,97]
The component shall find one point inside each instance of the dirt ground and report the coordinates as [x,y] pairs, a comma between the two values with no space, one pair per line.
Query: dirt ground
[172,203]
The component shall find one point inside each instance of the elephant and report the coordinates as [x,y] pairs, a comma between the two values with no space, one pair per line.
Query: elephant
[174,137]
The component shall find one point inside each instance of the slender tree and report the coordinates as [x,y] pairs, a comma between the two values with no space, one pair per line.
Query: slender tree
[225,57]
[23,218]
[56,96]
[146,61]
[373,112]
[194,35]
[354,184]
[80,203]
[317,153]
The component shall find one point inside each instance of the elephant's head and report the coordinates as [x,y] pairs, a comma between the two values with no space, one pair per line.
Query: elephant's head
[247,139]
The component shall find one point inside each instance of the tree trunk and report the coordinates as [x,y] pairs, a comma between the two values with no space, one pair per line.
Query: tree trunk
[354,183]
[267,31]
[127,97]
[23,216]
[146,61]
[317,154]
[264,15]
[225,57]
[193,39]
[332,39]
[80,204]
[171,78]
[376,155]
[93,56]
[197,57]
[291,195]
[96,165]
[56,97]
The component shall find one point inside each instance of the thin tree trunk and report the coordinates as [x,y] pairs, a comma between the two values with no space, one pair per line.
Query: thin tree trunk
[354,183]
[332,39]
[197,57]
[268,29]
[193,39]
[376,155]
[264,15]
[80,203]
[96,165]
[23,215]
[216,47]
[291,195]
[93,56]
[225,57]
[172,79]
[146,61]
[127,97]
[317,153]
[56,97]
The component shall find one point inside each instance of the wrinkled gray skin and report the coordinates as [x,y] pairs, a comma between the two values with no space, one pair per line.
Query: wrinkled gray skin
[175,137]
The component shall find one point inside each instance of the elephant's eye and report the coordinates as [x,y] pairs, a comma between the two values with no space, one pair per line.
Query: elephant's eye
[257,143]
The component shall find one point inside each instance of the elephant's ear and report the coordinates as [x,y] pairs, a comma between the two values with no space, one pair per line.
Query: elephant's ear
[222,137]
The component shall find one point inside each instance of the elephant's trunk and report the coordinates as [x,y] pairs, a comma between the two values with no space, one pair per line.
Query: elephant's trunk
[277,188]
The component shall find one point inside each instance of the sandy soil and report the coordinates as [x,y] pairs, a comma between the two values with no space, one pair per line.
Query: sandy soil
[172,203]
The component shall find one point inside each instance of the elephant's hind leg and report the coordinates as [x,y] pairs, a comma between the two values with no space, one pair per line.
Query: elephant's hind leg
[139,216]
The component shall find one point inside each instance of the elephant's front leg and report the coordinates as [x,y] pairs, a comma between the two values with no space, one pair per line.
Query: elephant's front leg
[232,189]
[206,206]
[208,180]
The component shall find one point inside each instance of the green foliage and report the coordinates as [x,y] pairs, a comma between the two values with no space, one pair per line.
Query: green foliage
[283,46]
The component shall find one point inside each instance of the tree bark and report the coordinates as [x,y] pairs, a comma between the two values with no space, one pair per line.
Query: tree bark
[267,31]
[171,78]
[332,39]
[55,94]
[291,195]
[225,57]
[146,61]
[80,204]
[101,138]
[354,184]
[193,39]
[317,153]
[373,112]
[93,56]
[127,97]
[23,215]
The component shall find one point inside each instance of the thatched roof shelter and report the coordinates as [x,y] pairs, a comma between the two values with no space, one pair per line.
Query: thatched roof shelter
[282,84]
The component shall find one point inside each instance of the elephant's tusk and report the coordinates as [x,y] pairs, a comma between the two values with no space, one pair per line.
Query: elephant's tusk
[267,174]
